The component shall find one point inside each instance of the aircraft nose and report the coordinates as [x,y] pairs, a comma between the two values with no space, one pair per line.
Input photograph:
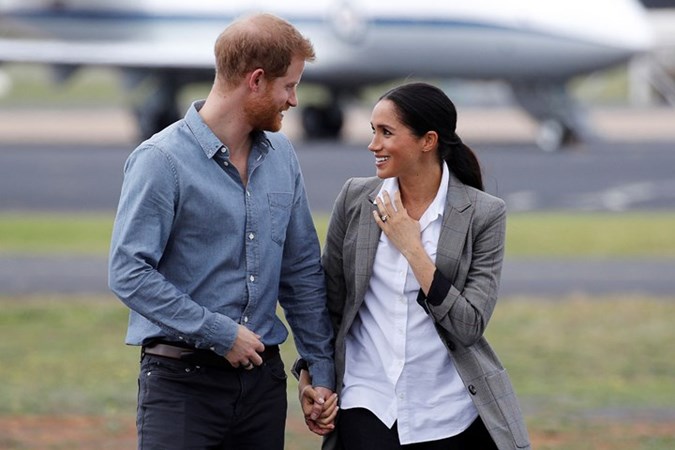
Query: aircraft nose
[627,34]
[639,38]
[629,28]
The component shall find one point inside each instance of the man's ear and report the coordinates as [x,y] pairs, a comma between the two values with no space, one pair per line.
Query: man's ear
[255,79]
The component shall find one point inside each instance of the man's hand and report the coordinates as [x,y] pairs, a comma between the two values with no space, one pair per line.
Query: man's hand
[319,406]
[245,351]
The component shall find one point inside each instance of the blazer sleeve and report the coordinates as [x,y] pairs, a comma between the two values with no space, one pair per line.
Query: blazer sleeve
[332,258]
[465,311]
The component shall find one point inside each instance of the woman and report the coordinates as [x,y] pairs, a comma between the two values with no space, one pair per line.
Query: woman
[413,259]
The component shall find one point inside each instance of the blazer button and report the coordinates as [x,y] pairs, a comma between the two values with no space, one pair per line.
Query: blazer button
[472,389]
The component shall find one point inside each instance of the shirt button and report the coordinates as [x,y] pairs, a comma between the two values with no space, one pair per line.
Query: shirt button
[245,319]
[226,164]
[248,193]
[251,236]
[252,278]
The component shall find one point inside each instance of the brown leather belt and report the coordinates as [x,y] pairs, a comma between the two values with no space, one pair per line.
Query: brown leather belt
[200,356]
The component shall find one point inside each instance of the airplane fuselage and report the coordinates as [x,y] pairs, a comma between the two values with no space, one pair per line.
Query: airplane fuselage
[534,45]
[360,41]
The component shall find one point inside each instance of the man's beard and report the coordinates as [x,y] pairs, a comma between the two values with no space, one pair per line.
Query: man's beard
[262,114]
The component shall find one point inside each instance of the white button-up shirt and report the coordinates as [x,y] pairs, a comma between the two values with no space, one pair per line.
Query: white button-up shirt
[397,366]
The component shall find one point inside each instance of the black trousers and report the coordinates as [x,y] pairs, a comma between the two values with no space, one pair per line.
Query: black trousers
[183,405]
[360,429]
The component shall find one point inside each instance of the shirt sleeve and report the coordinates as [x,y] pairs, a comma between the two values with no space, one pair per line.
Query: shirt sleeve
[302,291]
[141,233]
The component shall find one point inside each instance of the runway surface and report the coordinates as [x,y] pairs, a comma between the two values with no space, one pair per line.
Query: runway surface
[619,175]
[604,176]
[25,275]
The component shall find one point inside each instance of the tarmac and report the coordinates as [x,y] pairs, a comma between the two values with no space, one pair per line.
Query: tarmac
[546,278]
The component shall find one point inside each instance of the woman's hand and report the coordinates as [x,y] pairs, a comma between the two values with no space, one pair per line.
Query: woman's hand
[319,405]
[401,229]
[405,234]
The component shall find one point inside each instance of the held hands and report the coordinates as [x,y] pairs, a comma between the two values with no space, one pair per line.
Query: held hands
[246,348]
[319,405]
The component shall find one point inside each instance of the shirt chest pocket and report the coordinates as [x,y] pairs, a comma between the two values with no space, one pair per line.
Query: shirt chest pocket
[280,204]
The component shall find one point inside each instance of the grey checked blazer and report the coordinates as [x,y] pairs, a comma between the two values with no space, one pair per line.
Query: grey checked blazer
[470,253]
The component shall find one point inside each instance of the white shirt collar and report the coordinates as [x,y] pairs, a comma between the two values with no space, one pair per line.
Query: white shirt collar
[437,206]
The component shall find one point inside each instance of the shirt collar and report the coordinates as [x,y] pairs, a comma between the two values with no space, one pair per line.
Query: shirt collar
[208,141]
[437,206]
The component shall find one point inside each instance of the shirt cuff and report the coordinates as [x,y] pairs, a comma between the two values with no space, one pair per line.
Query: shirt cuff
[323,374]
[223,333]
[440,286]
[299,365]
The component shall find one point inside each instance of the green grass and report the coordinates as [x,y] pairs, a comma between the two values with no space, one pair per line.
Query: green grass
[635,234]
[36,85]
[584,354]
[601,235]
[65,355]
[571,360]
[49,233]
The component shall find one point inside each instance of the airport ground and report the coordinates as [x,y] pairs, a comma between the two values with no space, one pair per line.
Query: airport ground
[493,124]
[74,164]
[70,161]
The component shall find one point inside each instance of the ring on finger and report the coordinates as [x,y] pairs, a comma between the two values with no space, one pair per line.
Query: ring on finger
[384,217]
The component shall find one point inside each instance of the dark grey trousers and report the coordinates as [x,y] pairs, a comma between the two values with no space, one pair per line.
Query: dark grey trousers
[182,405]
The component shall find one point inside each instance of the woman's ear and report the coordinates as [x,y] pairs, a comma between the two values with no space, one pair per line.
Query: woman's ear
[430,141]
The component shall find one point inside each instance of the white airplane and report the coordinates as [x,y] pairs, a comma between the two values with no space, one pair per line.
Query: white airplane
[535,46]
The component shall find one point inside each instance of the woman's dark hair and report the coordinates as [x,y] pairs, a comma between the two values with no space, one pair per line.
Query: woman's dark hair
[422,108]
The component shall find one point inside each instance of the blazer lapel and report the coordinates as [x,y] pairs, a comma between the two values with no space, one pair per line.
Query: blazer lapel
[366,246]
[455,228]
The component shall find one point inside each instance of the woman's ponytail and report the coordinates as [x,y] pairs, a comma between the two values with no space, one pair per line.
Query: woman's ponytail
[423,108]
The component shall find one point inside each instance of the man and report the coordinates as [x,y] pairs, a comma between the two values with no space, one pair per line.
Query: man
[213,227]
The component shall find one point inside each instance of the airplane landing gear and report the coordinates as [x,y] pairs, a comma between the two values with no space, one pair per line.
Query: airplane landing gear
[322,122]
[159,109]
[561,121]
[150,122]
[554,135]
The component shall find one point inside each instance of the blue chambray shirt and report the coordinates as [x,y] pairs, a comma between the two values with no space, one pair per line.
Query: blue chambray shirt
[194,252]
